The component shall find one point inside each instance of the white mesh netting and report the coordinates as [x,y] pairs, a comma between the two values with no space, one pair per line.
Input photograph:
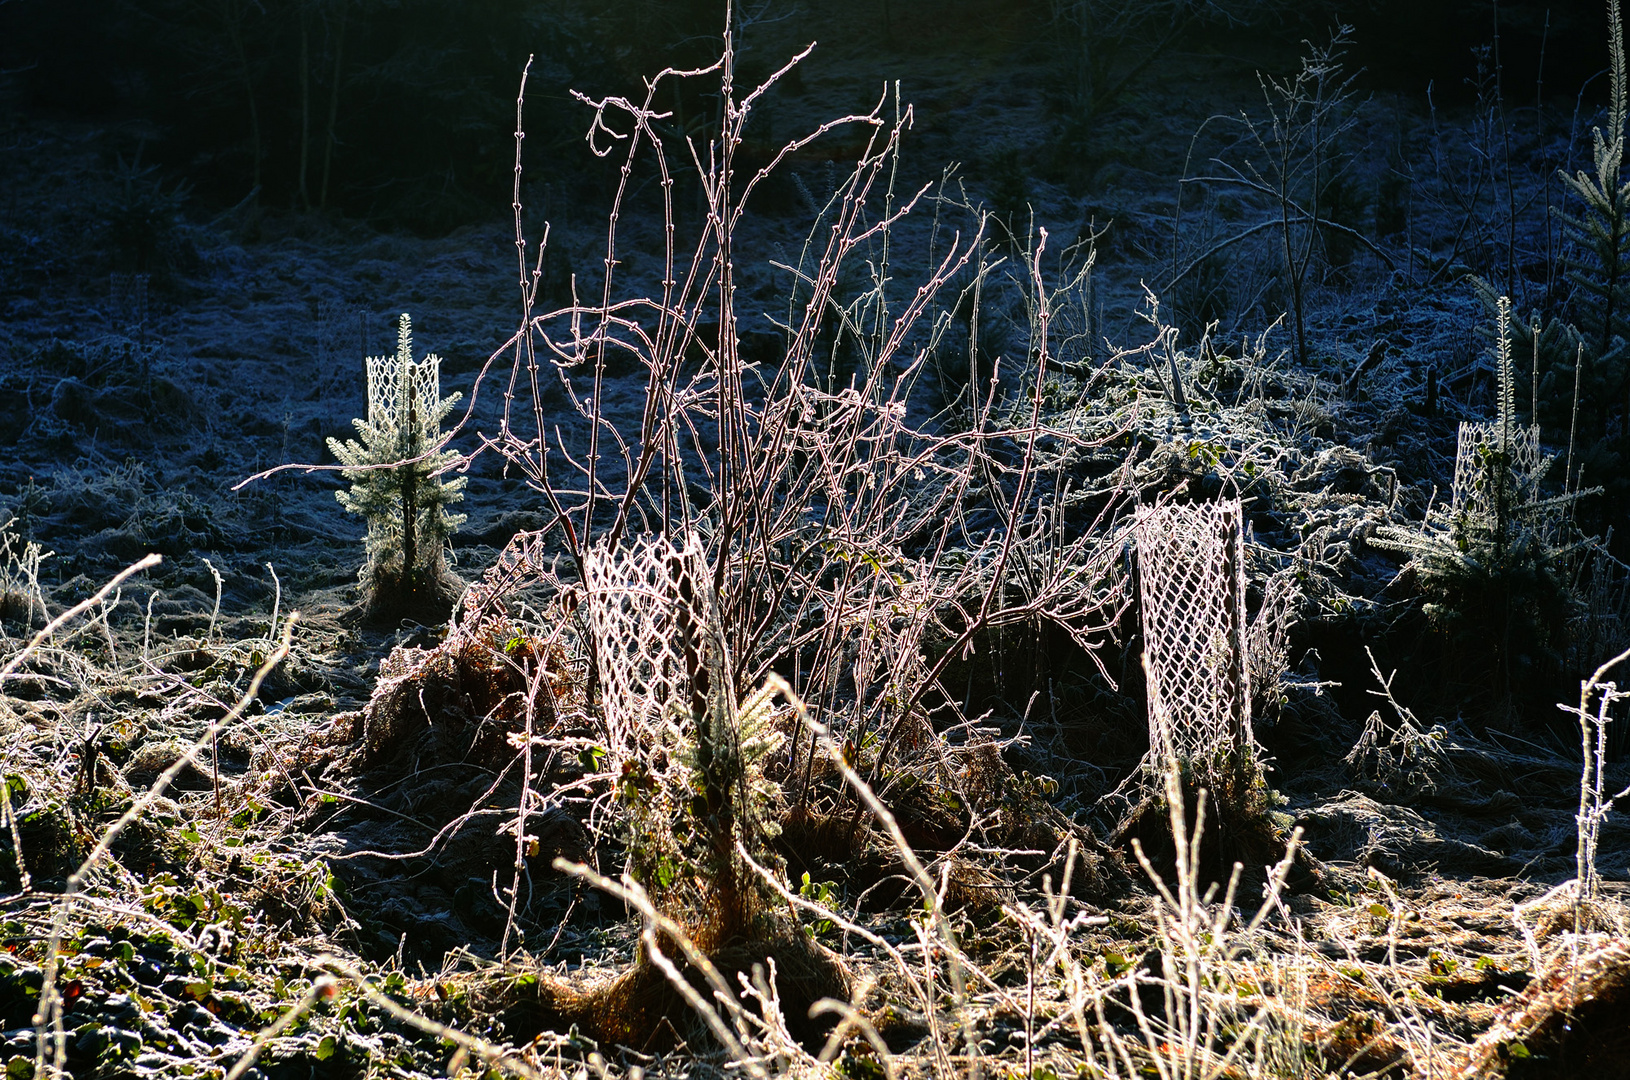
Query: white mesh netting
[1474,478]
[397,382]
[1191,592]
[650,611]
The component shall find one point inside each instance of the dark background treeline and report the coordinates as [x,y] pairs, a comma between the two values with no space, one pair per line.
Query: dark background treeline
[400,112]
[397,111]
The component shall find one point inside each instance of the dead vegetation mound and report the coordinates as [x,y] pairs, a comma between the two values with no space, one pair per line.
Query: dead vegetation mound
[996,828]
[1396,840]
[640,1007]
[474,697]
[418,797]
[1574,1020]
[1241,826]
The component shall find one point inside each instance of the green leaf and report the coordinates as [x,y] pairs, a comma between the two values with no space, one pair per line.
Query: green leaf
[1516,1049]
[326,1049]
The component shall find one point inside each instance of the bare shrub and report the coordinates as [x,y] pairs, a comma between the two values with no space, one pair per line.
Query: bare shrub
[1289,165]
[846,538]
[837,521]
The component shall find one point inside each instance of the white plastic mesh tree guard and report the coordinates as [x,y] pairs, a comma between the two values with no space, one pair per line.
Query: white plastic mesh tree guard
[1191,593]
[649,605]
[1474,478]
[397,382]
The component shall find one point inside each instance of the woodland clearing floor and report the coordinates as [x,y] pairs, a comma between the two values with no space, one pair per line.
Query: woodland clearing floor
[127,418]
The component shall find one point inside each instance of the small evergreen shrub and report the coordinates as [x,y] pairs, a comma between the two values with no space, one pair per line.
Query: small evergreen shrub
[1491,565]
[142,222]
[396,483]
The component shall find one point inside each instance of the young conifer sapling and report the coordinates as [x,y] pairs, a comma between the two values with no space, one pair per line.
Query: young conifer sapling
[397,483]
